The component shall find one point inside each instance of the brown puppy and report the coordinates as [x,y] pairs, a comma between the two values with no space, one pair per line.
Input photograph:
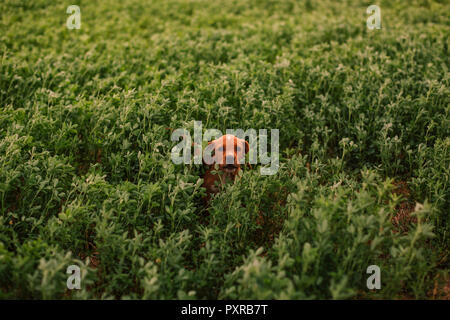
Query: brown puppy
[229,154]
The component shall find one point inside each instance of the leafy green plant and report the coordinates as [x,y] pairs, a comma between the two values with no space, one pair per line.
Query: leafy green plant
[86,117]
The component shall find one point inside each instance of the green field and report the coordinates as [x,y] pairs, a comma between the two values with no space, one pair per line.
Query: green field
[86,178]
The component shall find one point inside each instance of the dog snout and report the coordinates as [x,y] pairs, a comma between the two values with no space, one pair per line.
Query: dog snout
[229,159]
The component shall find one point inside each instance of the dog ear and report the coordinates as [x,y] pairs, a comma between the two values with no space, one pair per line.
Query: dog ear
[213,142]
[247,148]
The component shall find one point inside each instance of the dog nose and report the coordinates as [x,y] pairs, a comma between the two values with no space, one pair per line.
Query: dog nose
[229,160]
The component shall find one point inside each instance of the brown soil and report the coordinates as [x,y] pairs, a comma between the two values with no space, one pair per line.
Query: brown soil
[402,218]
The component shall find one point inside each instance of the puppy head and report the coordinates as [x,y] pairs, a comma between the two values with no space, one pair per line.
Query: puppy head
[229,153]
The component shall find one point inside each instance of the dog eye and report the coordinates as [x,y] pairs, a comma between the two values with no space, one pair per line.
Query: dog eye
[238,148]
[220,149]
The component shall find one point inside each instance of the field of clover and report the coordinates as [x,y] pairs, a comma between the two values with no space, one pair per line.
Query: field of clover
[86,177]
